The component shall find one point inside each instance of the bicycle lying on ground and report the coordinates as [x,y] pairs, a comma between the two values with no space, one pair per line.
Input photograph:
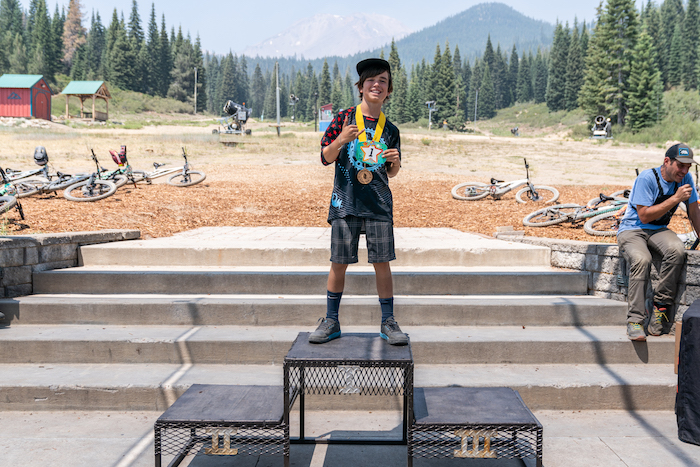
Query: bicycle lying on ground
[8,198]
[45,182]
[472,191]
[94,188]
[573,213]
[179,176]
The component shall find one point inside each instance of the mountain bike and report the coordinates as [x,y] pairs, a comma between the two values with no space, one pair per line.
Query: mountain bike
[472,191]
[573,213]
[8,198]
[95,187]
[179,176]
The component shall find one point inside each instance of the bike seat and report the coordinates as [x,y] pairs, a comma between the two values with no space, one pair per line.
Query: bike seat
[604,197]
[156,165]
[494,181]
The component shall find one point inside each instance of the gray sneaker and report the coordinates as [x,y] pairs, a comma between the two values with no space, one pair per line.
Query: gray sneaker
[327,330]
[391,332]
[635,332]
[657,319]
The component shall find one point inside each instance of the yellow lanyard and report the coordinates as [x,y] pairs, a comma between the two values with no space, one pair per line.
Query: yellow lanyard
[360,121]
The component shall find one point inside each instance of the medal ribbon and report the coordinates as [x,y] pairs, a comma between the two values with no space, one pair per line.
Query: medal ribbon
[360,122]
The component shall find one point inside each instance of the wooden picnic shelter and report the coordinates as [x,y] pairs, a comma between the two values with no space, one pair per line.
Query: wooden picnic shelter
[85,90]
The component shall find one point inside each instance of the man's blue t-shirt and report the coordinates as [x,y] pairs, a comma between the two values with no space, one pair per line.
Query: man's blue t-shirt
[644,193]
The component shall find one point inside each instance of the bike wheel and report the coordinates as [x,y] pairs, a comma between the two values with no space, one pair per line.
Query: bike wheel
[7,203]
[28,186]
[470,191]
[543,194]
[603,225]
[550,215]
[86,191]
[190,178]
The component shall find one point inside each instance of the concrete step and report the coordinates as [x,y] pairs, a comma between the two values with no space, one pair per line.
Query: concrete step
[154,387]
[359,281]
[305,246]
[304,310]
[268,345]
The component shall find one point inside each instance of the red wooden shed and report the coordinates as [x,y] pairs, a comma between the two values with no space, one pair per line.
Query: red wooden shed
[25,96]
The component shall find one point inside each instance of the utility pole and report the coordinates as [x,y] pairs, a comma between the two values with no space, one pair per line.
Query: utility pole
[195,90]
[277,64]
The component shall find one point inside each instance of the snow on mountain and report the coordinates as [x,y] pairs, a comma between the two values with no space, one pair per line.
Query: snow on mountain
[327,35]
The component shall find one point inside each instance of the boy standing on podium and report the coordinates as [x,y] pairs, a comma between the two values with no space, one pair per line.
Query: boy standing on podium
[366,149]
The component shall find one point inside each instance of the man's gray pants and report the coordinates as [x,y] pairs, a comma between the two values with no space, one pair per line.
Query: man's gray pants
[636,245]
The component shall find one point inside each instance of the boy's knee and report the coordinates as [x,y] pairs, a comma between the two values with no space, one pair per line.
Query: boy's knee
[638,261]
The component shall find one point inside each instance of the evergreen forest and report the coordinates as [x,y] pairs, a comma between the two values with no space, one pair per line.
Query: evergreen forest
[618,66]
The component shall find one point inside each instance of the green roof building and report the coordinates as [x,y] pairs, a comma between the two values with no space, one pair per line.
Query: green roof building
[85,90]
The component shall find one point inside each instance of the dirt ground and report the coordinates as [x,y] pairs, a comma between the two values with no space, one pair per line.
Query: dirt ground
[279,181]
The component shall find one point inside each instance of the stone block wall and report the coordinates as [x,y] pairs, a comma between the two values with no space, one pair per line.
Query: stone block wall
[607,271]
[21,255]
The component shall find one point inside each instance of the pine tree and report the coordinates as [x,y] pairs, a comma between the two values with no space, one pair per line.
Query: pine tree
[164,60]
[489,55]
[512,81]
[499,74]
[447,87]
[227,88]
[257,97]
[472,111]
[399,97]
[672,14]
[609,59]
[94,47]
[314,94]
[201,76]
[73,31]
[524,87]
[466,83]
[211,64]
[643,95]
[556,83]
[430,86]
[151,49]
[182,74]
[10,19]
[54,51]
[337,92]
[18,58]
[652,25]
[348,91]
[395,65]
[541,72]
[243,84]
[486,107]
[135,31]
[121,62]
[691,42]
[413,104]
[574,72]
[41,47]
[584,41]
[324,86]
[674,68]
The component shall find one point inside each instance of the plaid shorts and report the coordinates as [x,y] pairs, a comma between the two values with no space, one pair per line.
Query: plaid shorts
[345,237]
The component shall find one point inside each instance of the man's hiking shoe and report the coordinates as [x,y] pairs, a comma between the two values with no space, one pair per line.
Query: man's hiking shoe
[327,330]
[635,332]
[391,332]
[657,319]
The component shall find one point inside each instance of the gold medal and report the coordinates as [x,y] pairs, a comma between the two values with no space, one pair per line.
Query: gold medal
[364,176]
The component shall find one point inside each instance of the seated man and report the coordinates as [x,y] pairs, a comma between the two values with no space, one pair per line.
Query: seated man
[644,228]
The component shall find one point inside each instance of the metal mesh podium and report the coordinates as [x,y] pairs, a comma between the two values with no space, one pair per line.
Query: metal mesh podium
[356,363]
[223,420]
[483,423]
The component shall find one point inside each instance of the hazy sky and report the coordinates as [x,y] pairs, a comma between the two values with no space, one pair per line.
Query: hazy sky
[224,25]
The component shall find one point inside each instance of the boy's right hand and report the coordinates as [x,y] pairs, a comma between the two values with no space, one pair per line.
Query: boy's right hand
[349,131]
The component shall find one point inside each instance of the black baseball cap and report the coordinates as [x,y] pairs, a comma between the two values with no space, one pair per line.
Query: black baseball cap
[372,63]
[681,152]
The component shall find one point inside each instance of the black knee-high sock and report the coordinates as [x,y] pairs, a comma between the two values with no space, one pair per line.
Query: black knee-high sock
[387,305]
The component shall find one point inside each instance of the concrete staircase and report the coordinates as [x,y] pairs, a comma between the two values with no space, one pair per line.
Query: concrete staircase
[143,320]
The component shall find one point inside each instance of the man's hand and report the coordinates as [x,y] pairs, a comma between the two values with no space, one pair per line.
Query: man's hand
[683,193]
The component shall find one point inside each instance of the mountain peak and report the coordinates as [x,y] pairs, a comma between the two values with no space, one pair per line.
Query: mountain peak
[325,35]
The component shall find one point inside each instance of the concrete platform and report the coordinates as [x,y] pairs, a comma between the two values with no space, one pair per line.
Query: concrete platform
[41,387]
[459,345]
[304,246]
[304,280]
[121,439]
[304,310]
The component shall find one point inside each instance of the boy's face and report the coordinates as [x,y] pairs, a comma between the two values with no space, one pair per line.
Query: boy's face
[376,89]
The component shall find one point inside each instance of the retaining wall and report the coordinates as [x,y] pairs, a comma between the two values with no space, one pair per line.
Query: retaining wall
[607,271]
[21,255]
